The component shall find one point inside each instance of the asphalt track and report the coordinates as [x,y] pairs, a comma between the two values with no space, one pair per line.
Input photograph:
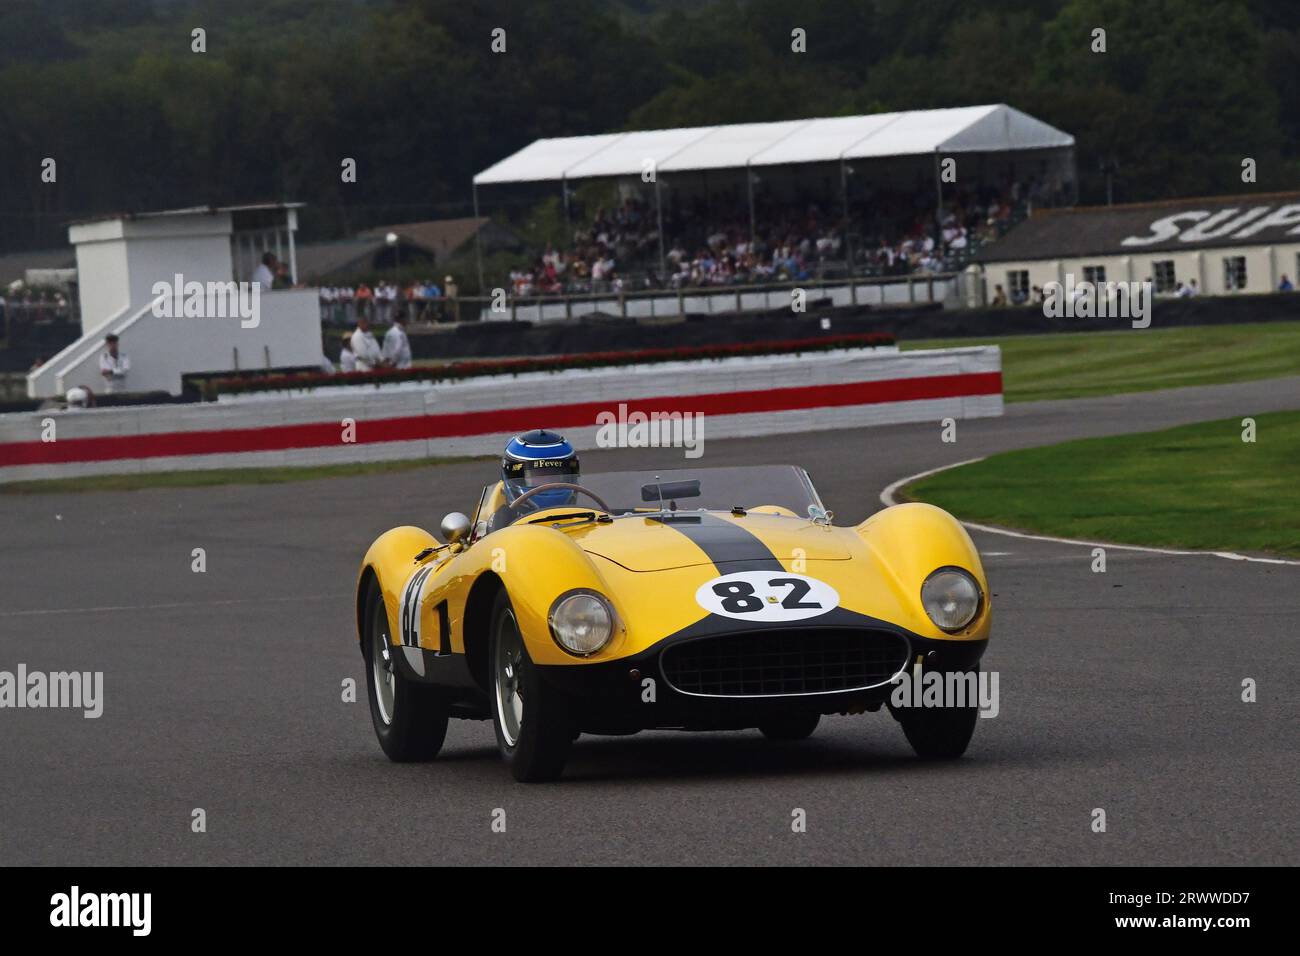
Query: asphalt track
[1119,691]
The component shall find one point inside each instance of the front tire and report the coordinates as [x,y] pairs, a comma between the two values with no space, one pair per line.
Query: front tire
[410,718]
[531,719]
[938,733]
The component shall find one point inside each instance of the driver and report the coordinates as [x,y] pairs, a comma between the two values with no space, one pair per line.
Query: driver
[530,460]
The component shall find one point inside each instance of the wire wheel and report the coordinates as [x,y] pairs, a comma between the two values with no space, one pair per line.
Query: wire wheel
[508,677]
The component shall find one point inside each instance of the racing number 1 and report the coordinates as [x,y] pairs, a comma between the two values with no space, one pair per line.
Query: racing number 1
[738,596]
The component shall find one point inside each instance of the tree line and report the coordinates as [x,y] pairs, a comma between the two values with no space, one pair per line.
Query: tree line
[424,93]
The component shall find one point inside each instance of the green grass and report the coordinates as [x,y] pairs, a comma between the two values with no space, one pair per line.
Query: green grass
[218,476]
[1082,364]
[1198,486]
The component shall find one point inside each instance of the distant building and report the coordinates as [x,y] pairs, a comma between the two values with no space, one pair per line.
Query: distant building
[122,262]
[445,238]
[430,242]
[1228,245]
[18,267]
[323,263]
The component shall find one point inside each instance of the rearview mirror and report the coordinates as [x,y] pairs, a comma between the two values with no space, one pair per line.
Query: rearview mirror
[670,490]
[455,528]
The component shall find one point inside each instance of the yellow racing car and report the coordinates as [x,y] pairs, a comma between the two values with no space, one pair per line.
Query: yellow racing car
[696,599]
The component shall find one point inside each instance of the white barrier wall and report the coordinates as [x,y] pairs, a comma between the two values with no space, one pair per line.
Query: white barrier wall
[736,397]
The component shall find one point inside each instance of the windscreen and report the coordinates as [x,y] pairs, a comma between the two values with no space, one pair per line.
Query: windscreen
[709,489]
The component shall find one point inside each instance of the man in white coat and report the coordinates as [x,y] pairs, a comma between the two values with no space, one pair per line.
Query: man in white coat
[113,365]
[397,347]
[365,347]
[264,274]
[347,358]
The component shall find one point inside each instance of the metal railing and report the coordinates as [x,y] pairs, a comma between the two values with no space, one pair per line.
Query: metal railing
[913,288]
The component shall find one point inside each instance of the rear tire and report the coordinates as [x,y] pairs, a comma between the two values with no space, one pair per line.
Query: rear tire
[410,718]
[795,726]
[531,719]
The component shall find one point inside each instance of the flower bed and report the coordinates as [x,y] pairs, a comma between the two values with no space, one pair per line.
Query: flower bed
[455,371]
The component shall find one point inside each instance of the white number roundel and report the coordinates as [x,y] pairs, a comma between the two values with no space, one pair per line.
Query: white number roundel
[767,596]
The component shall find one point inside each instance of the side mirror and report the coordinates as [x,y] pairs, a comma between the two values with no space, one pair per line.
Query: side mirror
[455,528]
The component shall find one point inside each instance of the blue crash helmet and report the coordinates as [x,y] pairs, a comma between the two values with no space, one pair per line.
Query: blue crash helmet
[539,458]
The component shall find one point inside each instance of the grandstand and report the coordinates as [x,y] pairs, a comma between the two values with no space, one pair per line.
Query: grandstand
[791,200]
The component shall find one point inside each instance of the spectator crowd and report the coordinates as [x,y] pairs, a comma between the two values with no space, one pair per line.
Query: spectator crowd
[35,304]
[421,301]
[710,243]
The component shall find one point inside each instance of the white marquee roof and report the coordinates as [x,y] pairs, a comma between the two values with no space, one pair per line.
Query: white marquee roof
[967,129]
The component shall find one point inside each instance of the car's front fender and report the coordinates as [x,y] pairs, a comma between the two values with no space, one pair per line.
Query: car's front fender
[538,564]
[908,542]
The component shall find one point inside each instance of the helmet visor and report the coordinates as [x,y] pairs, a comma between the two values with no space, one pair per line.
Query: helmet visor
[522,476]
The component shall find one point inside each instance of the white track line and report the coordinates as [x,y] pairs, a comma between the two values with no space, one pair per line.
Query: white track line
[889,497]
[41,612]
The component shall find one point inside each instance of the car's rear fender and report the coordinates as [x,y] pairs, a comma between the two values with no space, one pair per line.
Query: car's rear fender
[389,563]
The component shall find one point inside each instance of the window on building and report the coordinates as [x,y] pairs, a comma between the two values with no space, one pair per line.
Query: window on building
[1163,275]
[1234,272]
[1094,274]
[1018,285]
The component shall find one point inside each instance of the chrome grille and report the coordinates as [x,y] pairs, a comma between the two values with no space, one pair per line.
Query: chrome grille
[786,661]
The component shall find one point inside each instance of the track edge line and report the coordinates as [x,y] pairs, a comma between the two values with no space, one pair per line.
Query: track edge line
[888,497]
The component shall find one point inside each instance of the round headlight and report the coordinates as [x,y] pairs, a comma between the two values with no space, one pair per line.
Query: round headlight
[582,623]
[951,598]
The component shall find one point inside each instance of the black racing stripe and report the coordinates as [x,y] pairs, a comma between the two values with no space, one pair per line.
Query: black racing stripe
[724,542]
